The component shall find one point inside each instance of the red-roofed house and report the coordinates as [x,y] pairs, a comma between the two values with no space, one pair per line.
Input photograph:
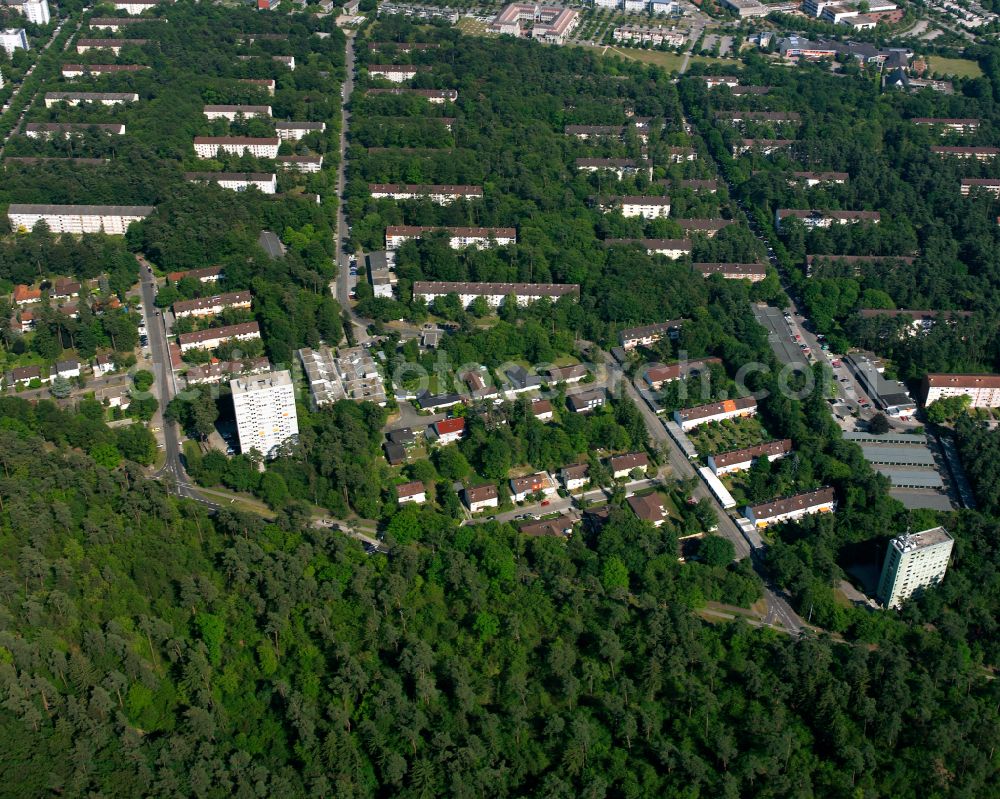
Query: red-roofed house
[449,431]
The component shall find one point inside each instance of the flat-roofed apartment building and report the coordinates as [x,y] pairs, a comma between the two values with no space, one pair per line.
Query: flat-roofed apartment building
[237,181]
[435,96]
[442,195]
[978,153]
[643,336]
[822,500]
[548,23]
[814,218]
[114,45]
[643,35]
[689,418]
[294,131]
[209,146]
[914,561]
[212,306]
[738,460]
[64,130]
[95,70]
[12,39]
[265,411]
[987,185]
[458,237]
[233,112]
[671,248]
[300,163]
[397,73]
[983,390]
[752,272]
[946,125]
[212,337]
[113,220]
[495,294]
[102,98]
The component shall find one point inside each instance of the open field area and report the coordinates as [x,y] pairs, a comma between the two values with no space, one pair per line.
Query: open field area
[957,67]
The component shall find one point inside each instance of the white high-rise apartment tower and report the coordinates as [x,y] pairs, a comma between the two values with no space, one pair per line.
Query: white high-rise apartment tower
[914,561]
[35,11]
[265,411]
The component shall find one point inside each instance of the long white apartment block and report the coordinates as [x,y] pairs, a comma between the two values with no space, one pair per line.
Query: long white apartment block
[293,131]
[102,98]
[94,70]
[495,294]
[212,306]
[209,146]
[645,207]
[822,500]
[64,130]
[458,237]
[265,411]
[237,181]
[114,45]
[233,112]
[397,73]
[442,195]
[914,561]
[983,390]
[300,163]
[212,337]
[136,6]
[113,220]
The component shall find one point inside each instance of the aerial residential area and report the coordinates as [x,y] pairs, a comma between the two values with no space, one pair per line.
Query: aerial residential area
[530,399]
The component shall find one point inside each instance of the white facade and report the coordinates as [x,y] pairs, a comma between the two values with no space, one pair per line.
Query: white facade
[293,131]
[213,337]
[35,11]
[523,487]
[212,306]
[134,7]
[442,195]
[494,293]
[983,390]
[208,146]
[14,39]
[268,184]
[103,98]
[231,112]
[690,418]
[646,207]
[301,163]
[397,73]
[113,220]
[458,238]
[914,561]
[792,508]
[574,478]
[265,411]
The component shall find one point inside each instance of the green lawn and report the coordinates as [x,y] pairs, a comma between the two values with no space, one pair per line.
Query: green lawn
[472,27]
[958,67]
[716,437]
[671,62]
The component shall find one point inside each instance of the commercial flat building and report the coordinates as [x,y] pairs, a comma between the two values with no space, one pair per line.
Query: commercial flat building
[12,39]
[690,418]
[237,181]
[442,195]
[101,98]
[114,45]
[212,306]
[214,336]
[752,272]
[643,336]
[495,294]
[823,500]
[671,248]
[35,11]
[113,220]
[983,390]
[481,238]
[890,396]
[65,130]
[209,146]
[95,70]
[265,411]
[295,131]
[551,24]
[914,561]
[300,163]
[234,112]
[746,9]
[738,460]
[814,218]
